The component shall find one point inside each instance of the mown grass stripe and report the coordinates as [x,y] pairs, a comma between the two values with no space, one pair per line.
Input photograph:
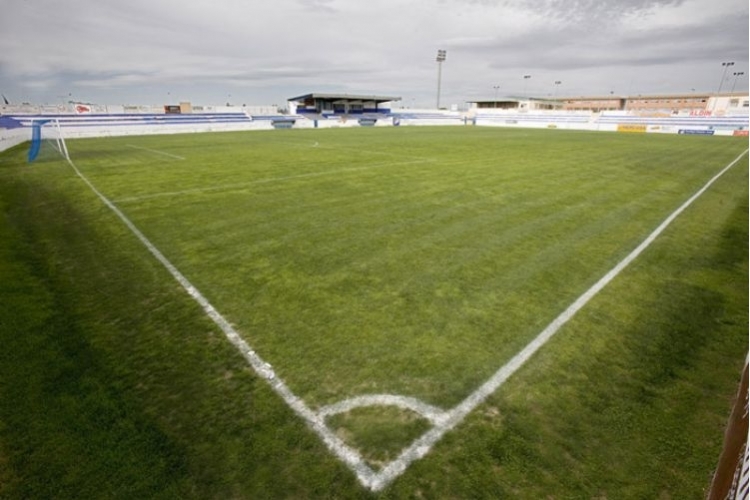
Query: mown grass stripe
[424,444]
[242,185]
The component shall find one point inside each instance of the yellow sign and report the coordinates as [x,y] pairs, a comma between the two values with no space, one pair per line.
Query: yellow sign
[631,128]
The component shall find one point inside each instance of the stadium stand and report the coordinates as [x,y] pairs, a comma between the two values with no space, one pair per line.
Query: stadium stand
[718,115]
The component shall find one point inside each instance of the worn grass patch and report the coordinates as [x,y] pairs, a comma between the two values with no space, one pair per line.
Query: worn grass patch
[380,433]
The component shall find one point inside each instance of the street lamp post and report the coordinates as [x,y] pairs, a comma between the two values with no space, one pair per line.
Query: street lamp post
[736,74]
[440,59]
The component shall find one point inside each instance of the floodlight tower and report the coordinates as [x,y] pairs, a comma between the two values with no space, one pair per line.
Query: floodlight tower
[724,74]
[525,79]
[440,58]
[736,74]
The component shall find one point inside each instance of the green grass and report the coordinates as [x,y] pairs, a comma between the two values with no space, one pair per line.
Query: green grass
[412,261]
[379,431]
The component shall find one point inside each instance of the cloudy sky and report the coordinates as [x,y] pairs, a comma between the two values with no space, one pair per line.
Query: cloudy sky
[262,52]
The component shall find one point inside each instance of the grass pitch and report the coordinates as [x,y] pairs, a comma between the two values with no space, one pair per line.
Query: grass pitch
[408,261]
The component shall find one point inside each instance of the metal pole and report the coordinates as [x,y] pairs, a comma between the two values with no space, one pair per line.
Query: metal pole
[440,75]
[736,75]
[721,83]
[440,58]
[724,74]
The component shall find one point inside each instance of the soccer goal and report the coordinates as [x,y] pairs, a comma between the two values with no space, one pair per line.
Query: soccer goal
[47,140]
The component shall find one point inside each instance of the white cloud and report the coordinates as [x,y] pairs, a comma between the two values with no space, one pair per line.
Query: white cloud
[109,51]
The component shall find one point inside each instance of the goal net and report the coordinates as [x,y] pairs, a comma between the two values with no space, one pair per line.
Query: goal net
[47,141]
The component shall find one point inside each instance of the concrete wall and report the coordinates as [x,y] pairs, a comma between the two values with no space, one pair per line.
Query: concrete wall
[619,121]
[13,137]
[123,124]
[401,117]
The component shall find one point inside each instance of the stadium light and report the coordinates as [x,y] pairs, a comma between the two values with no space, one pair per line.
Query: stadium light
[440,59]
[736,74]
[525,79]
[724,74]
[557,83]
[496,87]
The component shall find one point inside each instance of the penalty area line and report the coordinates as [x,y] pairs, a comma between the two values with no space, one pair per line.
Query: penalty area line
[239,186]
[156,151]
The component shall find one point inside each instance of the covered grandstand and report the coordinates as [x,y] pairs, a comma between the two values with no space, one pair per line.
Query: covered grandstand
[340,104]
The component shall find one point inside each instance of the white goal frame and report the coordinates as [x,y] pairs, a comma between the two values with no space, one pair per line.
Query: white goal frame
[47,131]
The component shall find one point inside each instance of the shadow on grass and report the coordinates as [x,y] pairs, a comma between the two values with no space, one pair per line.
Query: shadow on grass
[113,384]
[65,427]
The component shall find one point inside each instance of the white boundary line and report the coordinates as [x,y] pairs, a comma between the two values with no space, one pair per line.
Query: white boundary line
[336,147]
[443,421]
[156,151]
[432,413]
[316,422]
[422,445]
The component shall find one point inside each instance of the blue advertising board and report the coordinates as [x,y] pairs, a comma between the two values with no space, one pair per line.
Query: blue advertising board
[695,132]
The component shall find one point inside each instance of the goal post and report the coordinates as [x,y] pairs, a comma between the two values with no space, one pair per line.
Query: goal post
[46,135]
